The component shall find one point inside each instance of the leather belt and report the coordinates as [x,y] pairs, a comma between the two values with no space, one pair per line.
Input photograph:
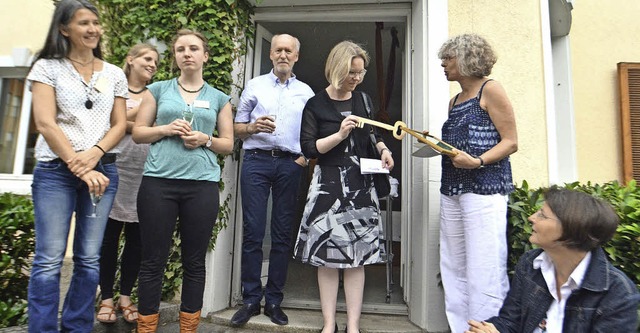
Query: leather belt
[107,158]
[273,152]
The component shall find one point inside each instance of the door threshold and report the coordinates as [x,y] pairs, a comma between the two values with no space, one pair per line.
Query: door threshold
[373,308]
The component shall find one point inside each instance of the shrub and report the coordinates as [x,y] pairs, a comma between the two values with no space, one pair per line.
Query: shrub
[622,250]
[17,243]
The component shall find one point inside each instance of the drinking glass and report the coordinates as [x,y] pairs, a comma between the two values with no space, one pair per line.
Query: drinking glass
[95,199]
[187,114]
[273,117]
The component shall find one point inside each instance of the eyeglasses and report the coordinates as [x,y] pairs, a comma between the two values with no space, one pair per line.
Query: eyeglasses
[360,74]
[540,215]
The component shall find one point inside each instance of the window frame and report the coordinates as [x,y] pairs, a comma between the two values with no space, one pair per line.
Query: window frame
[17,181]
[629,86]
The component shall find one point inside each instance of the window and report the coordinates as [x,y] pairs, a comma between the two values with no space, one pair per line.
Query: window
[629,82]
[17,131]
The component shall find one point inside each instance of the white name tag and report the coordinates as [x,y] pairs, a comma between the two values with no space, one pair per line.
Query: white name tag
[201,104]
[101,84]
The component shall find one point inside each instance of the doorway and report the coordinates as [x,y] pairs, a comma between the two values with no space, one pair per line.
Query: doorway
[383,289]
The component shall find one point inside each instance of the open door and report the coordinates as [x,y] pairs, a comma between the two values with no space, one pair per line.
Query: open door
[317,36]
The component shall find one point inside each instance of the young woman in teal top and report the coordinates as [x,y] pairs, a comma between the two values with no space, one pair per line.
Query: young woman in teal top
[181,177]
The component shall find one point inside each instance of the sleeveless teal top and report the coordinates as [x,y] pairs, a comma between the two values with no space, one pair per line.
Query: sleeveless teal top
[168,157]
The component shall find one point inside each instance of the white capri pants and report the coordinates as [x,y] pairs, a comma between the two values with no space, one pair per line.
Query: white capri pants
[473,256]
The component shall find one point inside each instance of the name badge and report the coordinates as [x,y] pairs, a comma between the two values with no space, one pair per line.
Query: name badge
[101,84]
[201,104]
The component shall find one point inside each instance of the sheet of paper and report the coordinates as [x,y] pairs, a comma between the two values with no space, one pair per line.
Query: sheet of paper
[371,165]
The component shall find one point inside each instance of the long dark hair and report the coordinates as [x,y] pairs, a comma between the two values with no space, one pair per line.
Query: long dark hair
[56,46]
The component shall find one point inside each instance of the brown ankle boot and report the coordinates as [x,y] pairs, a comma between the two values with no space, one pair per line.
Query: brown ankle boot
[189,322]
[147,324]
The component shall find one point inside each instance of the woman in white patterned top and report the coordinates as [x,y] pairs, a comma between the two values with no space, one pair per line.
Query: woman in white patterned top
[79,111]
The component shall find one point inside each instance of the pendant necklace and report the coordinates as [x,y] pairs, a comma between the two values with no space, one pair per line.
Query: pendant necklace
[189,91]
[88,87]
[138,91]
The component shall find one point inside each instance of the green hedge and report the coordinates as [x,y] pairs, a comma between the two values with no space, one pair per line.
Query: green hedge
[623,249]
[17,243]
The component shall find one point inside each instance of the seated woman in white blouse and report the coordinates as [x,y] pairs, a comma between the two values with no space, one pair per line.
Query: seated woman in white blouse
[568,285]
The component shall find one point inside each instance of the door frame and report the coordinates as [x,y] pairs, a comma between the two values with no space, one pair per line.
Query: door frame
[424,89]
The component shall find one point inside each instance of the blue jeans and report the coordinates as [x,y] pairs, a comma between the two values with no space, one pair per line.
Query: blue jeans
[57,194]
[262,174]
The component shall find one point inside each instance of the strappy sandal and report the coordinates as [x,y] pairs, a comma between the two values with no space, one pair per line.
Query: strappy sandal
[109,315]
[128,312]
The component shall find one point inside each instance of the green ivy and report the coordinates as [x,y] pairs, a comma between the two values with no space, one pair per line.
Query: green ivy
[228,27]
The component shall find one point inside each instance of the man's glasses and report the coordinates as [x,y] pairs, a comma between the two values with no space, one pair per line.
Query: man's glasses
[360,74]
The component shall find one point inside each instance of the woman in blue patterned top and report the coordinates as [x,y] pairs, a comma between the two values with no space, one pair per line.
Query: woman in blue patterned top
[475,184]
[181,176]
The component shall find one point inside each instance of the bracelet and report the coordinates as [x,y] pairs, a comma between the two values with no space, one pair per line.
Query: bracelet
[481,162]
[102,150]
[387,149]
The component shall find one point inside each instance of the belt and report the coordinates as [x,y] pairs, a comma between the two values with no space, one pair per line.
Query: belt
[273,152]
[107,158]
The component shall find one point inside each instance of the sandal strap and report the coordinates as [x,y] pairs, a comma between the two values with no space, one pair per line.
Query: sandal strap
[105,305]
[127,308]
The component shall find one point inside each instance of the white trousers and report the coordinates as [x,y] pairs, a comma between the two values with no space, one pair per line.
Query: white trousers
[473,256]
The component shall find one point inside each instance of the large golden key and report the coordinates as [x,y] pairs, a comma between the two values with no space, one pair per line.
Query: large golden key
[396,129]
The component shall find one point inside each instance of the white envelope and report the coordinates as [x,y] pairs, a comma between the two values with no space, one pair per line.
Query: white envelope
[371,165]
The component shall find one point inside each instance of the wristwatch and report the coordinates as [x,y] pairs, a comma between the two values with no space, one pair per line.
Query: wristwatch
[209,142]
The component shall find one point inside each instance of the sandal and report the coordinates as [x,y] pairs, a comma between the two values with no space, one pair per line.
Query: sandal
[111,313]
[128,313]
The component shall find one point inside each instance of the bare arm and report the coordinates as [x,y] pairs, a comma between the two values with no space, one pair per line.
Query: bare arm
[497,104]
[144,130]
[223,144]
[263,124]
[44,117]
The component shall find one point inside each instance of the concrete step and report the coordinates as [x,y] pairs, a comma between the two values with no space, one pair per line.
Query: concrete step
[300,321]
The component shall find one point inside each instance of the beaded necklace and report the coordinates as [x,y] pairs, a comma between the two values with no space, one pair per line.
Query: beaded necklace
[190,91]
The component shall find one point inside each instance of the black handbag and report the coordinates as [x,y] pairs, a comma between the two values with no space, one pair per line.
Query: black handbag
[380,180]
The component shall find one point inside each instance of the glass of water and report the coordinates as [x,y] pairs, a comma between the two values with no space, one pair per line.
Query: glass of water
[273,119]
[187,114]
[95,199]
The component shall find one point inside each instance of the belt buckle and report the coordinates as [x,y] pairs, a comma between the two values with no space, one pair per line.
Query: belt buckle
[275,153]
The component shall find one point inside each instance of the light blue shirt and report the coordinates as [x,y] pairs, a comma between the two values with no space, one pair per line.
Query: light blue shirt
[168,157]
[263,96]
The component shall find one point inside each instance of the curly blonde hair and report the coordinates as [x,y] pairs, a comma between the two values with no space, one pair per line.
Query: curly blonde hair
[474,54]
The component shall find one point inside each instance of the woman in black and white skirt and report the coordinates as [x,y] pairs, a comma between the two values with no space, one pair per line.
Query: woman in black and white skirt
[340,226]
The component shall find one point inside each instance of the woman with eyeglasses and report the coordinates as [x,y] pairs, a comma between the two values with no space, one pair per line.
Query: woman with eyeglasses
[475,184]
[340,226]
[568,283]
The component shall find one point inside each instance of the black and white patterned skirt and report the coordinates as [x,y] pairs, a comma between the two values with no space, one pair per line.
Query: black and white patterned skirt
[340,225]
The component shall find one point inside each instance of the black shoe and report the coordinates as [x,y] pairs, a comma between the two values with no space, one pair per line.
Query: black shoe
[245,313]
[276,314]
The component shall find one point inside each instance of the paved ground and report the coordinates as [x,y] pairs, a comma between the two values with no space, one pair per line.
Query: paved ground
[300,321]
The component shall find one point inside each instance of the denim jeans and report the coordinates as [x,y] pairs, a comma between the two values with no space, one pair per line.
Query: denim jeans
[57,194]
[262,174]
